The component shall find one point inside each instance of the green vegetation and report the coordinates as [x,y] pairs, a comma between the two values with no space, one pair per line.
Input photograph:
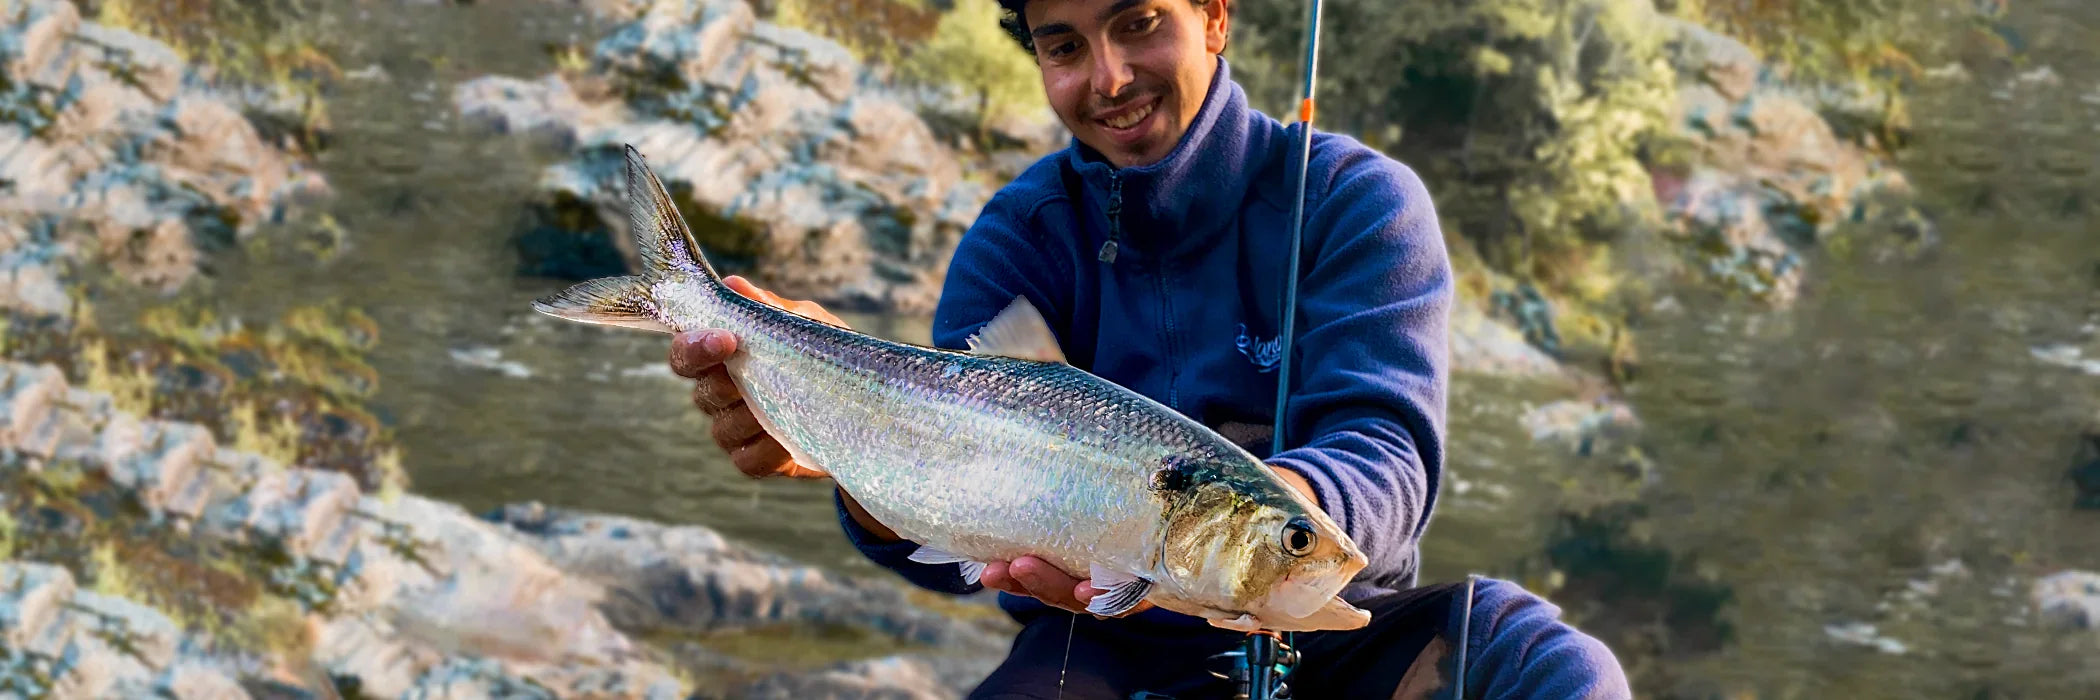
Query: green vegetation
[970,52]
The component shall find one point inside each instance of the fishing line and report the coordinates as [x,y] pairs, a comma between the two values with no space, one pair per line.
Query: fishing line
[1070,628]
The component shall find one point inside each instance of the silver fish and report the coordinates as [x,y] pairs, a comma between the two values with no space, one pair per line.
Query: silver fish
[1001,451]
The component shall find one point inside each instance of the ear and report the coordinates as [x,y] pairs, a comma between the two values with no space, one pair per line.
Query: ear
[1217,25]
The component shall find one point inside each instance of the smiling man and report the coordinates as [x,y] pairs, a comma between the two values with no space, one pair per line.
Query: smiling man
[1154,245]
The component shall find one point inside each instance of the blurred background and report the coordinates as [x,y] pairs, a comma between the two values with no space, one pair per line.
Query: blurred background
[1778,357]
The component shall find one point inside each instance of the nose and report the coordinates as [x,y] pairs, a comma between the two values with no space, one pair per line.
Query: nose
[1111,75]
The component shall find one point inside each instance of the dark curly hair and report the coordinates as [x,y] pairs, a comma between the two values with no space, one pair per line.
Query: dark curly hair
[1012,19]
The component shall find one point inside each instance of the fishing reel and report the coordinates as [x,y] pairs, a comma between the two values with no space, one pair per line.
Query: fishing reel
[1259,667]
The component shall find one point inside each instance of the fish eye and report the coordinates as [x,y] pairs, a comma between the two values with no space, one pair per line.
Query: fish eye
[1298,537]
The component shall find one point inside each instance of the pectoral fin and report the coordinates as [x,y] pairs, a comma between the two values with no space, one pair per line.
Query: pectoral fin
[1120,592]
[972,570]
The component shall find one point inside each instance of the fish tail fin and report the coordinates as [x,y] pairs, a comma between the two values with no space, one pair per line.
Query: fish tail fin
[660,234]
[667,249]
[611,301]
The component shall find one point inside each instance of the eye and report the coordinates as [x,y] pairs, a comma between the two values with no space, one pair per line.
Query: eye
[1298,537]
[1144,24]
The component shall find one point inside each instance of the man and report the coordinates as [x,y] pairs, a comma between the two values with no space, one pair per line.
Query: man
[1154,246]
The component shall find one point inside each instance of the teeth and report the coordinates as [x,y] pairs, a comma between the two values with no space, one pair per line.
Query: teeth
[1128,120]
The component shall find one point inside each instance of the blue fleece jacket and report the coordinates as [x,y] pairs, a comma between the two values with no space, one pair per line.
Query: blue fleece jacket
[1187,313]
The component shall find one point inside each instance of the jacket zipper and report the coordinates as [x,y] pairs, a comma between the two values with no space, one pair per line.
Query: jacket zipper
[1115,218]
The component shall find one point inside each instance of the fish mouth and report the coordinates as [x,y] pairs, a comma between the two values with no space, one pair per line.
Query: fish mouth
[1301,599]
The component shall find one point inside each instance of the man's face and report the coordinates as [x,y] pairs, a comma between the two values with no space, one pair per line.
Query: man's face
[1127,76]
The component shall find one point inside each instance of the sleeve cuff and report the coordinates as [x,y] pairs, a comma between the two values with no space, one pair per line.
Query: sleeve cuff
[1325,494]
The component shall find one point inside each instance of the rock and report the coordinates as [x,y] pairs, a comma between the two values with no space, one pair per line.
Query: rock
[193,680]
[1482,344]
[29,283]
[2085,473]
[545,108]
[445,585]
[1772,173]
[783,153]
[28,406]
[168,474]
[401,596]
[689,579]
[110,149]
[1579,424]
[300,511]
[32,608]
[1726,64]
[2069,599]
[139,632]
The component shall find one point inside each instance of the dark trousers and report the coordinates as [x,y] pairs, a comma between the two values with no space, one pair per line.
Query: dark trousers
[1119,661]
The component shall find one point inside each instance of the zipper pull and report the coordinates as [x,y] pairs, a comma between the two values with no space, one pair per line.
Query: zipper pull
[1115,219]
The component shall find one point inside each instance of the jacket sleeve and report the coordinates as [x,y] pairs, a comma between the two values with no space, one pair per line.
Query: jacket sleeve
[1367,406]
[999,258]
[1518,647]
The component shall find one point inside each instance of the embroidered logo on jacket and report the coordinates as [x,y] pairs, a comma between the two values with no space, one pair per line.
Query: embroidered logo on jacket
[1263,353]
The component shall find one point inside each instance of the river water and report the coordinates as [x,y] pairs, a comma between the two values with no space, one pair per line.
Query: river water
[1891,452]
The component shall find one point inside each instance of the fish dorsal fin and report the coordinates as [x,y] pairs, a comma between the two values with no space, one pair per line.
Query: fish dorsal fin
[1018,332]
[661,237]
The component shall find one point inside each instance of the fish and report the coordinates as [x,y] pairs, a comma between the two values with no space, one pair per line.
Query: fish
[1000,450]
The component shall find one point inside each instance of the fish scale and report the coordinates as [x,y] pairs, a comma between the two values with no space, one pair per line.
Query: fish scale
[1001,451]
[971,426]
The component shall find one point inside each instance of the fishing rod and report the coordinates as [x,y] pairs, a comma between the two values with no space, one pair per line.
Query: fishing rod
[1265,660]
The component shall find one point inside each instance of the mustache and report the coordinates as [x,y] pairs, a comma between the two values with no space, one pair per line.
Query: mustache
[1132,96]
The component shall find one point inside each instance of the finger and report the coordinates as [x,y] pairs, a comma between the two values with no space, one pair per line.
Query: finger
[715,392]
[751,291]
[1046,583]
[997,577]
[766,457]
[694,353]
[736,428]
[760,458]
[805,309]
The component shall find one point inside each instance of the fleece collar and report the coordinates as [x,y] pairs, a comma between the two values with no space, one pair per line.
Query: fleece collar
[1189,198]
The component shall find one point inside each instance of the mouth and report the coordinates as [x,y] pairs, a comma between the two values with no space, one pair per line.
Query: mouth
[1127,124]
[1302,598]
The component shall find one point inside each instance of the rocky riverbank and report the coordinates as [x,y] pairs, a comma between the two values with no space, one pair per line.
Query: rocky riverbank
[795,163]
[116,155]
[145,556]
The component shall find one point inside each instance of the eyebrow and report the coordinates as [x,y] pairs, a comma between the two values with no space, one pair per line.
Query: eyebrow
[1055,28]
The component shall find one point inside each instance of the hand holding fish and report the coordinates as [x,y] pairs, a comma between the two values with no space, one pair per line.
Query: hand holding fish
[1002,455]
[699,355]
